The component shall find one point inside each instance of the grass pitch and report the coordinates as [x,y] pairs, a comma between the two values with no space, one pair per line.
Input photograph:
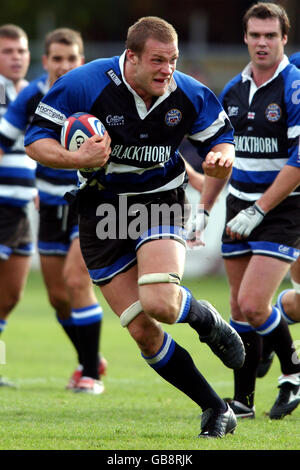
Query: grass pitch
[138,411]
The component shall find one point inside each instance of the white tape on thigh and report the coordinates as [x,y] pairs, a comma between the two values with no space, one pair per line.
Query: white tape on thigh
[130,313]
[296,286]
[155,278]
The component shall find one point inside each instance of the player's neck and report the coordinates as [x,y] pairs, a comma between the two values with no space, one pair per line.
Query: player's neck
[261,75]
[20,84]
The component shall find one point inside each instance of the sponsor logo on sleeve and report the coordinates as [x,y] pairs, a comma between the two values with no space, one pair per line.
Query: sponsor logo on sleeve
[47,112]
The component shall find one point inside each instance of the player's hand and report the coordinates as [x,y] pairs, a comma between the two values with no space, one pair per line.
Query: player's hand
[244,222]
[196,228]
[218,165]
[94,152]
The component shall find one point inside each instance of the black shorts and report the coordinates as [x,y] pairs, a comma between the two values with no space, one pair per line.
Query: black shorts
[278,235]
[110,239]
[58,227]
[15,232]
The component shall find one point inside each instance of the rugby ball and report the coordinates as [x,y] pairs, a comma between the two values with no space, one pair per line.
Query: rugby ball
[78,128]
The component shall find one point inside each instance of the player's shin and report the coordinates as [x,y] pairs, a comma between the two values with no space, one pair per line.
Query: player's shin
[175,365]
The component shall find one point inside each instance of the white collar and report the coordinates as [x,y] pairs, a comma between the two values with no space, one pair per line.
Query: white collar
[247,75]
[9,87]
[140,104]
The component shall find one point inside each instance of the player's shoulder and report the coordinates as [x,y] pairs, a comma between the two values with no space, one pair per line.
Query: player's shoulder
[290,74]
[93,70]
[187,82]
[195,90]
[295,59]
[36,86]
[233,82]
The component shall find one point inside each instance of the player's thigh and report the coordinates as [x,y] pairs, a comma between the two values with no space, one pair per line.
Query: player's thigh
[260,282]
[235,269]
[52,270]
[161,256]
[295,270]
[13,273]
[120,293]
[74,263]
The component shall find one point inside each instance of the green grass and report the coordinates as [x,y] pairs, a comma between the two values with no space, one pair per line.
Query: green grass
[138,410]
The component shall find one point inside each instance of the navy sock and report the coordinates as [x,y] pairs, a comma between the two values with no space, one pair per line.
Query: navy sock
[71,331]
[88,322]
[175,365]
[278,337]
[200,319]
[245,377]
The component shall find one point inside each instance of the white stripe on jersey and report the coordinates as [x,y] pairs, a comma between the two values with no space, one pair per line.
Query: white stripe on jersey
[259,164]
[9,130]
[293,132]
[18,192]
[211,130]
[250,196]
[54,189]
[20,161]
[117,168]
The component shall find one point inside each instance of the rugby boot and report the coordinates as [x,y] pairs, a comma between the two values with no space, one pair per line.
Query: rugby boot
[216,424]
[222,339]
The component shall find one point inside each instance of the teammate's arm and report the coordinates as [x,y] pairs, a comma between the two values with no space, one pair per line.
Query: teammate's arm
[245,221]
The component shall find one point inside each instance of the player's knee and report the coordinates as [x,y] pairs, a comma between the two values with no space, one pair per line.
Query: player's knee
[252,310]
[9,301]
[162,304]
[146,333]
[76,283]
[59,302]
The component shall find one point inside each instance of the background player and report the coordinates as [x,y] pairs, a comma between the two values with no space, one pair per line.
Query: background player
[17,180]
[68,284]
[262,224]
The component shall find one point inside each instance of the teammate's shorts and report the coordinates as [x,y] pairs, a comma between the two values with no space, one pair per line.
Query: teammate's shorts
[57,229]
[109,240]
[278,235]
[15,232]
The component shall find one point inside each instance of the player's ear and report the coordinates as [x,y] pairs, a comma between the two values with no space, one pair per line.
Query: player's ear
[45,61]
[131,56]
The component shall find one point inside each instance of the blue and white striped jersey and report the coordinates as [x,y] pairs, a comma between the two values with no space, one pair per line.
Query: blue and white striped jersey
[266,123]
[17,170]
[144,157]
[52,183]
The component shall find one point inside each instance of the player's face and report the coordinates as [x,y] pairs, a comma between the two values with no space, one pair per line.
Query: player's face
[265,42]
[61,59]
[154,68]
[14,58]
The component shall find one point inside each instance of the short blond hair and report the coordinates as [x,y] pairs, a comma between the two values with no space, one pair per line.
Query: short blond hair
[149,27]
[12,31]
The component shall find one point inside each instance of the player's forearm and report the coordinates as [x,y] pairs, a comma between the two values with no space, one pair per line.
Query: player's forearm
[50,153]
[196,179]
[284,184]
[211,190]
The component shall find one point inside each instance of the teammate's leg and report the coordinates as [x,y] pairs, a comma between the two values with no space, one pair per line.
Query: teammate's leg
[86,313]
